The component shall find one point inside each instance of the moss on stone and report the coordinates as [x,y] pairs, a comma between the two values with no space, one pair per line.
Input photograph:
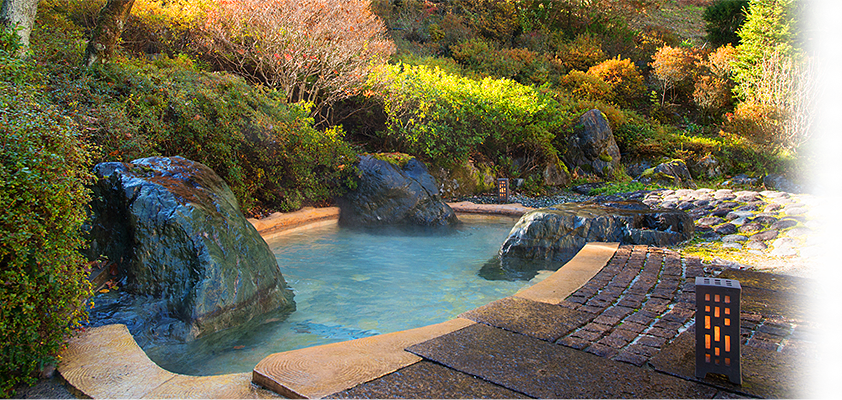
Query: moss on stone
[606,157]
[397,159]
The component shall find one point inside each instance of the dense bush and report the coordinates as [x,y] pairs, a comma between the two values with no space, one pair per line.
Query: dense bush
[447,118]
[722,19]
[522,65]
[770,29]
[651,38]
[623,78]
[581,53]
[267,151]
[165,26]
[792,28]
[319,51]
[492,19]
[43,172]
[713,89]
[586,86]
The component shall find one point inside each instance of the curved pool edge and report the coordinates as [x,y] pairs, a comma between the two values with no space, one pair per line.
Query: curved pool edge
[106,362]
[320,371]
[309,217]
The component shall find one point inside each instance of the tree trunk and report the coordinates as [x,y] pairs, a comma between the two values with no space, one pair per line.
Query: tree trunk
[109,25]
[19,16]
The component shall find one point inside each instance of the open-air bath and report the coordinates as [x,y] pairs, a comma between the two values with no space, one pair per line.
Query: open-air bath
[352,283]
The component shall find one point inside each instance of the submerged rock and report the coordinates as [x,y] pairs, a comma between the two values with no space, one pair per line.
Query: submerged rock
[559,232]
[178,238]
[390,194]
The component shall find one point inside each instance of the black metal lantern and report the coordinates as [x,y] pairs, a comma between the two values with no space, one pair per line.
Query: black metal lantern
[503,190]
[718,328]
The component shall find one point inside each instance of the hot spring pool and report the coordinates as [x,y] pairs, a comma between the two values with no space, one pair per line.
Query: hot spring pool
[352,283]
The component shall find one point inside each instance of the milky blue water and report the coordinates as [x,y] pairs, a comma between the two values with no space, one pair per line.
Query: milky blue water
[350,284]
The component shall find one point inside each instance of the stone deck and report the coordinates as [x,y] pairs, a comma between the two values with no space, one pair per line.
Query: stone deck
[616,321]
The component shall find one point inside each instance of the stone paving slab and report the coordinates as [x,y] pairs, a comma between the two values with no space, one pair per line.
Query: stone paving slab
[539,320]
[315,372]
[106,362]
[545,370]
[427,380]
[765,280]
[766,373]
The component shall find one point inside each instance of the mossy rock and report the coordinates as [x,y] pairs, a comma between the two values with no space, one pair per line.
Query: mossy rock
[397,159]
[468,178]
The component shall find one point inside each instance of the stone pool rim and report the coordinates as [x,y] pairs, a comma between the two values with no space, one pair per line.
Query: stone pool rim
[107,362]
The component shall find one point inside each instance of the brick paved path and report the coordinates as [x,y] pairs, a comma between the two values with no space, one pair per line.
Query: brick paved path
[644,298]
[641,300]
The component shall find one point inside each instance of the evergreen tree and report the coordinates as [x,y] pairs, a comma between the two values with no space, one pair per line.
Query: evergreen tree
[722,19]
[770,30]
[793,29]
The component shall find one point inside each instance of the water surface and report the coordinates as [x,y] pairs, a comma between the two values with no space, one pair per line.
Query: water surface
[351,283]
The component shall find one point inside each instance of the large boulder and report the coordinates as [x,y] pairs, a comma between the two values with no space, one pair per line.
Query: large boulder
[592,147]
[557,233]
[555,174]
[178,239]
[466,179]
[388,193]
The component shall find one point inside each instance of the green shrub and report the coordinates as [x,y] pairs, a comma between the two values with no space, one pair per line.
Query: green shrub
[267,151]
[165,26]
[722,19]
[447,118]
[648,40]
[492,19]
[43,172]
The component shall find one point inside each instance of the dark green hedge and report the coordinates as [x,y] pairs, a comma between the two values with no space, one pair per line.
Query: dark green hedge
[43,172]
